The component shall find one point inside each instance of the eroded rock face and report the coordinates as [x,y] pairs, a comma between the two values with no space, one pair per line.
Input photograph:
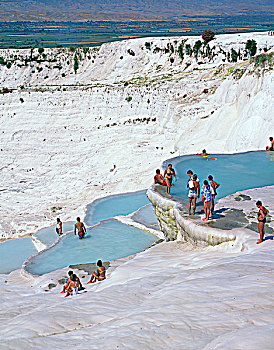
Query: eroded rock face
[177,227]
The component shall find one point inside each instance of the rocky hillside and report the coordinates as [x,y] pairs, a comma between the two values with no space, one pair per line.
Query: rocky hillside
[77,125]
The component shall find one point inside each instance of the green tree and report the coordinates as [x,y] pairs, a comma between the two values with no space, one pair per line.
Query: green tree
[197,47]
[251,47]
[40,50]
[188,50]
[76,64]
[234,55]
[8,64]
[208,35]
[180,50]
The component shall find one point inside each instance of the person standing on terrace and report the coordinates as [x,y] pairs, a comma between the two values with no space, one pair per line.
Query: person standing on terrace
[261,220]
[206,197]
[213,186]
[168,174]
[193,186]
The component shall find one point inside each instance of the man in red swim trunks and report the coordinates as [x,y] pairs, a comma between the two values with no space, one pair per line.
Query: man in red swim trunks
[81,229]
[159,179]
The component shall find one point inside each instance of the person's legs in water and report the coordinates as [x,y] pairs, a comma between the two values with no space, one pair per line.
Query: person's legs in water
[261,231]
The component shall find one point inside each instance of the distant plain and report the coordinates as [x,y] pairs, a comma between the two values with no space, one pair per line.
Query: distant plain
[27,34]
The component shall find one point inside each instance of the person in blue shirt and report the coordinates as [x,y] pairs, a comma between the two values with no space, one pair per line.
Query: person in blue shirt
[206,197]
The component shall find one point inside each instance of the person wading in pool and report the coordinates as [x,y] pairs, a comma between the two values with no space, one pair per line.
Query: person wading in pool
[206,197]
[193,187]
[261,220]
[81,229]
[213,186]
[271,147]
[168,174]
[59,227]
[100,275]
[159,179]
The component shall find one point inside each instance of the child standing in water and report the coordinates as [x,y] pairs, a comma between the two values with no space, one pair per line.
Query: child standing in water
[261,220]
[206,197]
[59,227]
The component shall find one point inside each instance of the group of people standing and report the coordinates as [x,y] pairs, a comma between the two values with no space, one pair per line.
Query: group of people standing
[208,190]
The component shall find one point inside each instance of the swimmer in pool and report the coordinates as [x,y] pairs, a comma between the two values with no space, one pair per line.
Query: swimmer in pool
[168,174]
[261,220]
[213,187]
[100,275]
[59,227]
[159,179]
[81,229]
[271,147]
[205,155]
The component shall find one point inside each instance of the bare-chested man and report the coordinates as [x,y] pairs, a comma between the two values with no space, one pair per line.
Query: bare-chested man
[159,179]
[81,229]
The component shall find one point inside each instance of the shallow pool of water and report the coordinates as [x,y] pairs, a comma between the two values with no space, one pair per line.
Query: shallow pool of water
[14,252]
[108,207]
[48,235]
[107,241]
[235,172]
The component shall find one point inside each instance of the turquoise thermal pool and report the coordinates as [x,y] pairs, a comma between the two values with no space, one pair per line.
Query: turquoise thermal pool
[48,235]
[235,172]
[108,207]
[109,240]
[14,252]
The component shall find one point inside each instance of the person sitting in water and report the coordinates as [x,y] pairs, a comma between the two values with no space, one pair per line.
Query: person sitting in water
[261,220]
[73,285]
[193,186]
[271,147]
[100,275]
[81,229]
[213,186]
[159,179]
[206,197]
[203,154]
[168,174]
[59,227]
